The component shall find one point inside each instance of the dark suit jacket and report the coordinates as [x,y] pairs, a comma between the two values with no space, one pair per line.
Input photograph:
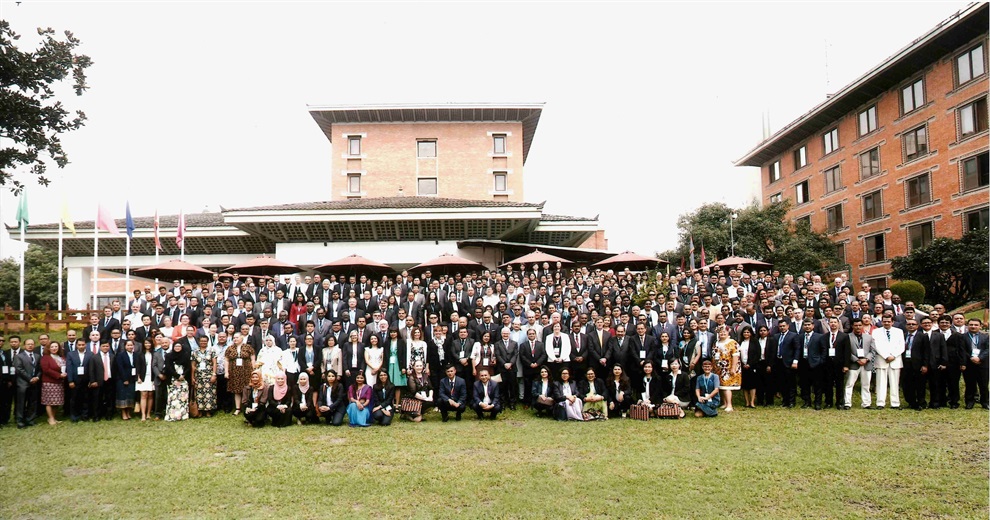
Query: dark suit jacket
[338,397]
[347,356]
[938,350]
[526,357]
[558,390]
[506,352]
[479,393]
[456,392]
[619,351]
[597,350]
[96,368]
[817,349]
[72,365]
[656,389]
[920,351]
[584,388]
[25,370]
[123,366]
[681,386]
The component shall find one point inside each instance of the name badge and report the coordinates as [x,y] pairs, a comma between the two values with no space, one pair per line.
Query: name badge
[62,369]
[484,362]
[133,371]
[79,371]
[663,363]
[805,351]
[239,362]
[831,352]
[5,370]
[642,354]
[976,352]
[859,352]
[329,366]
[202,365]
[907,353]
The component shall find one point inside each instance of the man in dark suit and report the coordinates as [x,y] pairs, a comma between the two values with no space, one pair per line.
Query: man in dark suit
[917,364]
[786,366]
[766,388]
[78,373]
[27,369]
[507,354]
[810,359]
[619,350]
[835,366]
[532,355]
[101,384]
[436,358]
[459,354]
[977,372]
[955,343]
[453,394]
[579,349]
[643,347]
[937,363]
[598,341]
[486,396]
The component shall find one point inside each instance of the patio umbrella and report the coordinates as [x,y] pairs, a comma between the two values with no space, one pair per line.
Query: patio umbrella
[355,264]
[263,266]
[734,261]
[631,260]
[537,257]
[175,269]
[447,264]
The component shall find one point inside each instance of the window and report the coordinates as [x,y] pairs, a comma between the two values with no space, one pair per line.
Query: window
[833,218]
[803,222]
[773,171]
[919,190]
[354,145]
[913,96]
[802,193]
[877,283]
[426,148]
[868,120]
[801,157]
[919,236]
[978,219]
[776,197]
[973,118]
[354,184]
[872,206]
[840,252]
[831,139]
[976,171]
[501,182]
[426,186]
[969,65]
[498,144]
[915,143]
[875,251]
[833,179]
[869,163]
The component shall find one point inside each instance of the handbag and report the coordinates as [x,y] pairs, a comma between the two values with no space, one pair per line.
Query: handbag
[669,411]
[411,406]
[640,412]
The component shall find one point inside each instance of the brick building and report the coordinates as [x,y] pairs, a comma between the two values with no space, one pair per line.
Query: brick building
[897,157]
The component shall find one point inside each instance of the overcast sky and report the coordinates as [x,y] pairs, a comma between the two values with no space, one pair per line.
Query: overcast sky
[202,104]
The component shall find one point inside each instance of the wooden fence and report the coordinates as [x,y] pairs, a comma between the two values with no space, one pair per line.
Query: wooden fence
[38,321]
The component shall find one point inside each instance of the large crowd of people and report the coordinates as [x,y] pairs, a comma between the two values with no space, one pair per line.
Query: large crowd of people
[572,344]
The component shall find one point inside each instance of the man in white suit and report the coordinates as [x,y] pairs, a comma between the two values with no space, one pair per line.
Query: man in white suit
[889,344]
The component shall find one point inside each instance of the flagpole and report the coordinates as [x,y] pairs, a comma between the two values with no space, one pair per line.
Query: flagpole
[96,252]
[60,224]
[23,255]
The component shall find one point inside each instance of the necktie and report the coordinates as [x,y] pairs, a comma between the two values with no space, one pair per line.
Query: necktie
[31,355]
[106,367]
[888,334]
[910,338]
[832,342]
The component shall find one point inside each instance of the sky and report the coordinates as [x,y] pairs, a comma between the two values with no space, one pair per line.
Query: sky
[197,105]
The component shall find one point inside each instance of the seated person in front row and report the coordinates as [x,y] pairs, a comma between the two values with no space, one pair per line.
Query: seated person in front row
[676,386]
[255,400]
[419,386]
[569,405]
[486,399]
[650,396]
[592,393]
[332,402]
[706,391]
[542,391]
[618,392]
[453,394]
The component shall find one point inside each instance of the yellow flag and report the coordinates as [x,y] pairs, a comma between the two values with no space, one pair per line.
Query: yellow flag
[66,219]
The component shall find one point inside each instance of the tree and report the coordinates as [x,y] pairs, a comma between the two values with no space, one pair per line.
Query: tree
[33,117]
[40,279]
[762,233]
[953,271]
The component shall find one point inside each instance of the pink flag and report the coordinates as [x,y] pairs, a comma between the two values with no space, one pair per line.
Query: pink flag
[105,222]
[180,232]
[158,242]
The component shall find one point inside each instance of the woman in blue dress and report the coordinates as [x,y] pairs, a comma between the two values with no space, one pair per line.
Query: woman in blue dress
[706,392]
[359,395]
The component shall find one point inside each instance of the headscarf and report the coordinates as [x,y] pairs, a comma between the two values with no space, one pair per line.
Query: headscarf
[280,390]
[303,389]
[261,380]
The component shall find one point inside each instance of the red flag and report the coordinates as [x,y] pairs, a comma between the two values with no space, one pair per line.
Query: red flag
[105,222]
[158,242]
[180,232]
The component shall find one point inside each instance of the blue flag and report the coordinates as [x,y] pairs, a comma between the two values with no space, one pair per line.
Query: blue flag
[130,221]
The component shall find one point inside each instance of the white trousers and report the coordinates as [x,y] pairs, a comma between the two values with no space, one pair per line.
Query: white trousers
[864,376]
[888,377]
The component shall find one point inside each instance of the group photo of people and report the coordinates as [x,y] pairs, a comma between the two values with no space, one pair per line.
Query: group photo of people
[566,344]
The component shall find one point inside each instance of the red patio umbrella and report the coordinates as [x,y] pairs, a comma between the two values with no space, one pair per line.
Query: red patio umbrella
[264,266]
[355,264]
[448,263]
[175,269]
[631,260]
[537,257]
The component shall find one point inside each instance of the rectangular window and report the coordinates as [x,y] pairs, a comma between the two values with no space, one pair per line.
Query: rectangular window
[776,197]
[919,190]
[354,184]
[919,236]
[973,118]
[868,120]
[840,252]
[354,145]
[869,163]
[915,143]
[978,219]
[913,96]
[833,218]
[773,172]
[976,171]
[801,157]
[875,251]
[877,283]
[802,193]
[872,206]
[970,64]
[426,186]
[831,139]
[501,182]
[803,222]
[426,149]
[498,144]
[833,179]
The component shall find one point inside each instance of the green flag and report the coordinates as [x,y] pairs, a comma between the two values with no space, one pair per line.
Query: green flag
[22,211]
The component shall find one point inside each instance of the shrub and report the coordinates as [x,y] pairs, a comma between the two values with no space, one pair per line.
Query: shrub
[909,291]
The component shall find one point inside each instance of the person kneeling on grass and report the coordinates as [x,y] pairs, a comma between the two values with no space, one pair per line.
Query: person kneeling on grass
[333,399]
[676,386]
[280,401]
[486,396]
[706,391]
[592,392]
[254,400]
[304,409]
[569,406]
[383,408]
[453,394]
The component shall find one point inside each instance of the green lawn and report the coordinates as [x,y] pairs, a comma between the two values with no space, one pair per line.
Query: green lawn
[749,464]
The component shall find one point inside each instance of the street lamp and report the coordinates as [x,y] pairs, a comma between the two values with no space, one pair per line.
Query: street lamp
[732,239]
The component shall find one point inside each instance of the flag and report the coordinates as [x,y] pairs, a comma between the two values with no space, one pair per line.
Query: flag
[691,250]
[682,264]
[105,222]
[180,231]
[22,211]
[66,218]
[158,242]
[703,255]
[130,221]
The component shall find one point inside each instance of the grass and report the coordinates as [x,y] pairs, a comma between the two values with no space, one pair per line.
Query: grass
[750,464]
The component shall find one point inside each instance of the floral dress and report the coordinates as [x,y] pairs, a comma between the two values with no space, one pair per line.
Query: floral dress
[206,392]
[177,406]
[727,365]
